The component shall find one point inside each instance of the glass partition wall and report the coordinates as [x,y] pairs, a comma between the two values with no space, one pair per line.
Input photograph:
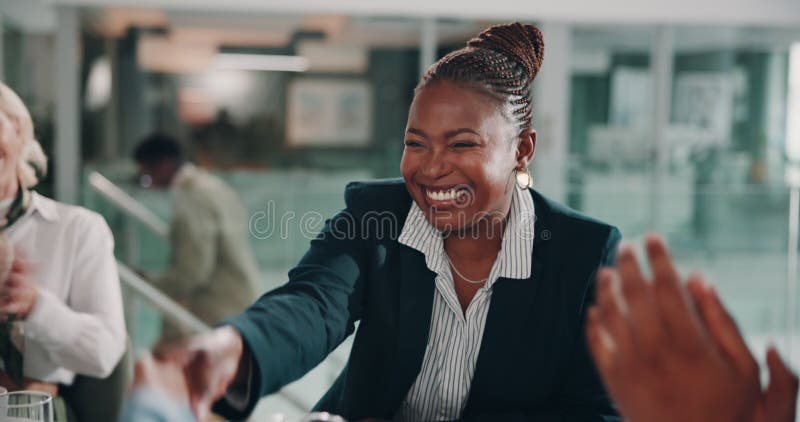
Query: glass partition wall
[668,128]
[681,130]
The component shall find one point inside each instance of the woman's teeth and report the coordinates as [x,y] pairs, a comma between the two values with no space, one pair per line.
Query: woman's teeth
[445,195]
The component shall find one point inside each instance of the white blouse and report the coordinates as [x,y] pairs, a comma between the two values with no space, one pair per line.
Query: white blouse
[77,323]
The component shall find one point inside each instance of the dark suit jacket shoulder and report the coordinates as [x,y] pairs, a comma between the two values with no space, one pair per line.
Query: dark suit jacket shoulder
[533,362]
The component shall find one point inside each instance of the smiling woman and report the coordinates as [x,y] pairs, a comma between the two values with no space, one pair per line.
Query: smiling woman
[472,309]
[62,295]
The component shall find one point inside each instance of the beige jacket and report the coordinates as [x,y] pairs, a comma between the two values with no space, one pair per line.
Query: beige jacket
[212,268]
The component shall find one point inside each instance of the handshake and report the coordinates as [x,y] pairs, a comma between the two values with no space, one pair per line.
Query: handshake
[666,349]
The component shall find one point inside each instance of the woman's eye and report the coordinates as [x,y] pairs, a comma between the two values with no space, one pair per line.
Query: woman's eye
[413,144]
[463,144]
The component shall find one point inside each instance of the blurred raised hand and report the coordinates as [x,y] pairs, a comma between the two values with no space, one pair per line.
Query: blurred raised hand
[668,350]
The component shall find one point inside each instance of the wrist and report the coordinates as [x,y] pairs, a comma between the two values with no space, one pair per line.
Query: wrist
[235,351]
[231,341]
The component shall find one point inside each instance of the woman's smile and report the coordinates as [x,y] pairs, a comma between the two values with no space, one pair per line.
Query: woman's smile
[452,196]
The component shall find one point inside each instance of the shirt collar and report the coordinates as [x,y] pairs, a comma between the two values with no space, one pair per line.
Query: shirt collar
[514,259]
[517,247]
[183,174]
[44,206]
[419,234]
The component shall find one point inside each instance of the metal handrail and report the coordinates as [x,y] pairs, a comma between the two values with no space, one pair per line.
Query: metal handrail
[128,204]
[171,309]
[162,302]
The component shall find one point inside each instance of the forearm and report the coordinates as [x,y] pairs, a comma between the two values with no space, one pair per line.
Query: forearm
[292,332]
[83,332]
[293,328]
[83,342]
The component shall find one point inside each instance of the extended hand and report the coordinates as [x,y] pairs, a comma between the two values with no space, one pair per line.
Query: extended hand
[206,365]
[669,351]
[161,377]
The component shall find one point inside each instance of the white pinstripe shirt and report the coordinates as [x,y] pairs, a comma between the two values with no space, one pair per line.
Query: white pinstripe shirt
[442,387]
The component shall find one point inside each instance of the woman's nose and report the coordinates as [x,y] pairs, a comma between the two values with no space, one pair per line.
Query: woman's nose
[436,166]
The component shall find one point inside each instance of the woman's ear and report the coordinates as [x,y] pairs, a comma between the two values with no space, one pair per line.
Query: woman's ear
[526,145]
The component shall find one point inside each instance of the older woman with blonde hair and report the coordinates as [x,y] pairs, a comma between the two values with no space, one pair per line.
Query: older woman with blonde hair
[59,291]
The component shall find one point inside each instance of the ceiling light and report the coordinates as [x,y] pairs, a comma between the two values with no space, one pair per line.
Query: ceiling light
[276,63]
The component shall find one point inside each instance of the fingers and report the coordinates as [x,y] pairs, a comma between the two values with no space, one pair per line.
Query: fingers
[18,295]
[13,288]
[610,337]
[779,372]
[16,299]
[178,351]
[638,293]
[681,320]
[19,265]
[13,308]
[601,345]
[721,326]
[164,377]
[613,311]
[781,394]
[143,369]
[201,409]
[201,384]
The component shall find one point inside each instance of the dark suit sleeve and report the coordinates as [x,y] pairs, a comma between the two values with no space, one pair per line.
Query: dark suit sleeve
[294,327]
[581,397]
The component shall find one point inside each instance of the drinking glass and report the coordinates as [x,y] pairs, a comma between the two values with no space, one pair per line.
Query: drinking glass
[26,406]
[322,417]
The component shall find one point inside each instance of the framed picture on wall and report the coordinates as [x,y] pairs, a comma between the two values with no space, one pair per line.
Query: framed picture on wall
[329,112]
[705,101]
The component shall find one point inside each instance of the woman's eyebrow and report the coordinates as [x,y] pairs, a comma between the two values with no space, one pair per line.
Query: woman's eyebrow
[417,132]
[459,131]
[448,134]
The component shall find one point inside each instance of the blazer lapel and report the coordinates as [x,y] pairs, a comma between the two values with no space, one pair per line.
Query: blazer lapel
[507,322]
[417,284]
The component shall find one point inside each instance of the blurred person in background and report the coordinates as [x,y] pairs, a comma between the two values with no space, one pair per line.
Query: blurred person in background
[212,270]
[469,287]
[218,144]
[60,298]
[670,351]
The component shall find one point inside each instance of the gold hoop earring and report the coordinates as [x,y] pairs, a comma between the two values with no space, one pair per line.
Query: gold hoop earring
[524,179]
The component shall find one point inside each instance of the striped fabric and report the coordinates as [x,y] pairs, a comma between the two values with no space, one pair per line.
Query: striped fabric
[441,389]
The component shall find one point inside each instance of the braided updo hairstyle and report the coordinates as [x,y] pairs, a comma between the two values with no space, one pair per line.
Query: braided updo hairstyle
[502,62]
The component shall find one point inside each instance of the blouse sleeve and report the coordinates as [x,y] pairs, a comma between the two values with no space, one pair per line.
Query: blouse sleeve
[87,334]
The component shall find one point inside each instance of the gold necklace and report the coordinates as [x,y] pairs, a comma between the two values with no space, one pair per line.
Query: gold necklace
[470,281]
